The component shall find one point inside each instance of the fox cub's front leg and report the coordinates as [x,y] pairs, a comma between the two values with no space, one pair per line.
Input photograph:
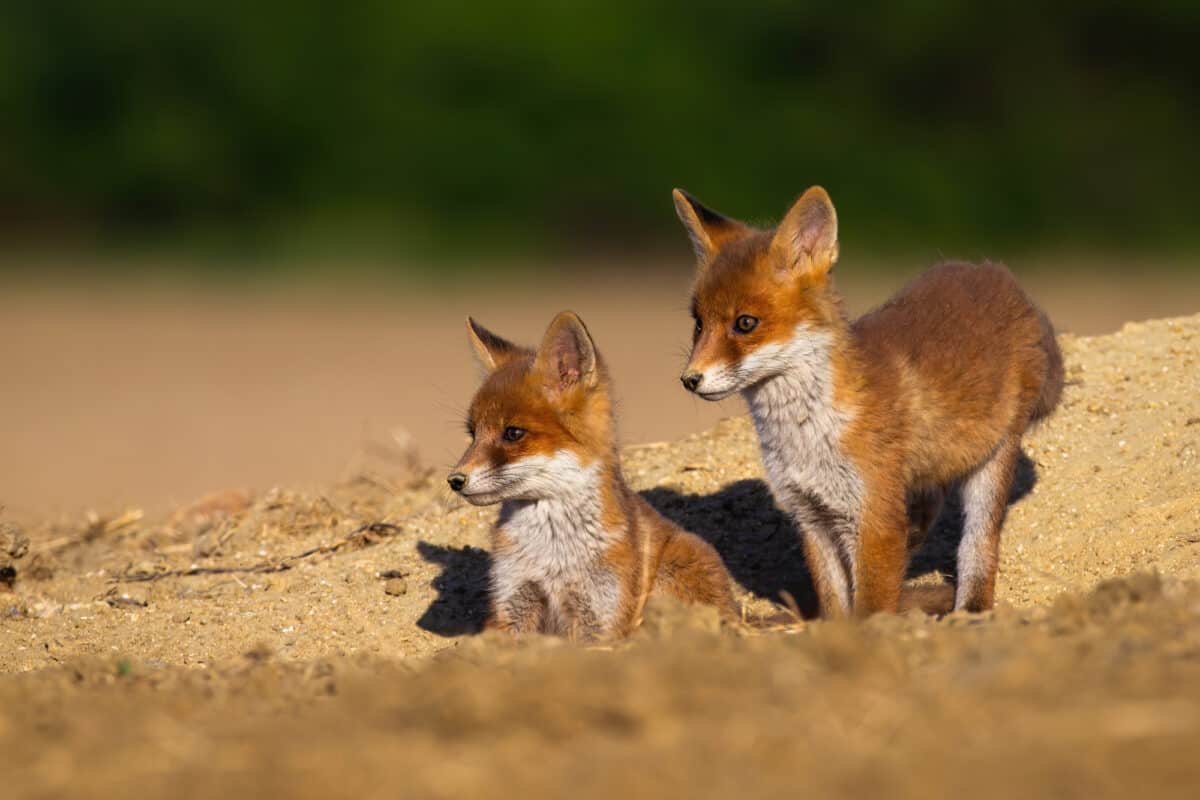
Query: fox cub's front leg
[830,580]
[889,533]
[882,556]
[523,611]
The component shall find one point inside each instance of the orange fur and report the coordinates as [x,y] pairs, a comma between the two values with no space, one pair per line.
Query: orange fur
[935,387]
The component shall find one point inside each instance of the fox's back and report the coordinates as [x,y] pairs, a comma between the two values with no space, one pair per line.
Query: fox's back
[951,314]
[964,349]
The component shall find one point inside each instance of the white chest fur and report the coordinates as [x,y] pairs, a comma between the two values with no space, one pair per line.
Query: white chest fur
[799,432]
[558,543]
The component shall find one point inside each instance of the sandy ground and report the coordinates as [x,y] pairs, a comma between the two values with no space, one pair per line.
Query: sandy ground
[316,643]
[113,398]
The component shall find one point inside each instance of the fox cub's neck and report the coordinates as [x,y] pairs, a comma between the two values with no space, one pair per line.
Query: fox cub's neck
[566,527]
[802,391]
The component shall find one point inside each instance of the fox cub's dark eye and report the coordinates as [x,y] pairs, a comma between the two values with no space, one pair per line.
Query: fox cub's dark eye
[513,434]
[699,327]
[745,323]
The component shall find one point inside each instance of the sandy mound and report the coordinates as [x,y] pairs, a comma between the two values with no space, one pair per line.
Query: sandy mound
[283,642]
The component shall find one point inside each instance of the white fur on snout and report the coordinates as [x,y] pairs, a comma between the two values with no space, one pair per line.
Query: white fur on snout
[717,382]
[531,478]
[806,351]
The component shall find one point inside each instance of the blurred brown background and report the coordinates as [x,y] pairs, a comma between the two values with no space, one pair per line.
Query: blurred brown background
[238,243]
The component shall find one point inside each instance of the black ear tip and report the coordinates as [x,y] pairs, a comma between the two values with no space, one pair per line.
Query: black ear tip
[474,327]
[481,334]
[684,200]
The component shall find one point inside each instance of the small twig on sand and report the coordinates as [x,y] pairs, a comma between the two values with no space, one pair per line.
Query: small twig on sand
[364,535]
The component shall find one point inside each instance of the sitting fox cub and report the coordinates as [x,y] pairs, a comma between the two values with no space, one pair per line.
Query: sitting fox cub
[575,551]
[861,422]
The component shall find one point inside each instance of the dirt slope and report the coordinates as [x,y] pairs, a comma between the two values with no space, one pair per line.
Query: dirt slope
[283,643]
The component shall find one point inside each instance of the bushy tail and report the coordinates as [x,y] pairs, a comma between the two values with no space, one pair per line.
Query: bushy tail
[1052,386]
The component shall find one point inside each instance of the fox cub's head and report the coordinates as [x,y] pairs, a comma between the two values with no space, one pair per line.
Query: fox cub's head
[763,301]
[540,421]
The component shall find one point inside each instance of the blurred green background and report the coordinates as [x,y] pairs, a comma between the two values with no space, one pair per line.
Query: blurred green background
[458,128]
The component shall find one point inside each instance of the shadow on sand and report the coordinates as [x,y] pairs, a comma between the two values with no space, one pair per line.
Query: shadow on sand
[461,605]
[760,546]
[756,540]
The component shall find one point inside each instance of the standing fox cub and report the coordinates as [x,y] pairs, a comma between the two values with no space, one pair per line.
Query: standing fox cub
[575,551]
[864,424]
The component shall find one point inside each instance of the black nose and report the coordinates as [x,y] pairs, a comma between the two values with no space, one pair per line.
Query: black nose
[691,380]
[457,481]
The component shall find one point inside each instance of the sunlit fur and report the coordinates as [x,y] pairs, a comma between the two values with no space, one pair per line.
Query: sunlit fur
[933,388]
[575,552]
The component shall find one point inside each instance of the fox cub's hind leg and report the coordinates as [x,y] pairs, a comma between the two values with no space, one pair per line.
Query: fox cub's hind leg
[985,500]
[691,570]
[523,611]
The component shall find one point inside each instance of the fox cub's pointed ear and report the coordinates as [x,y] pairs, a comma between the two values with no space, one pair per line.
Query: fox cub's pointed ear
[806,241]
[567,356]
[492,351]
[707,229]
